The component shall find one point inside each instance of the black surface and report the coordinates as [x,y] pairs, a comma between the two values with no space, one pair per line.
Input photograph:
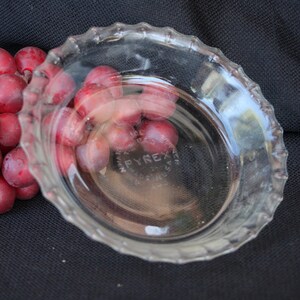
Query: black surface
[44,257]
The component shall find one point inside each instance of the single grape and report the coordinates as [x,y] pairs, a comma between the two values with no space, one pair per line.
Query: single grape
[93,156]
[127,111]
[7,196]
[11,88]
[158,136]
[94,103]
[10,130]
[60,88]
[106,76]
[155,107]
[28,58]
[68,125]
[7,62]
[15,168]
[27,192]
[120,138]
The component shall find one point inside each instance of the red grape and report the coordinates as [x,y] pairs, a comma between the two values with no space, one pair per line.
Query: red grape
[107,77]
[94,103]
[10,130]
[120,138]
[158,136]
[69,126]
[94,155]
[27,192]
[1,159]
[64,158]
[127,111]
[15,168]
[7,63]
[11,88]
[60,88]
[28,58]
[7,196]
[156,107]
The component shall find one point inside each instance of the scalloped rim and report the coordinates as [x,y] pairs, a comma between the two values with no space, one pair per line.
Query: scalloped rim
[53,192]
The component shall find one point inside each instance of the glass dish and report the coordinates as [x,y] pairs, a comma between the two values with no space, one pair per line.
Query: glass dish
[205,195]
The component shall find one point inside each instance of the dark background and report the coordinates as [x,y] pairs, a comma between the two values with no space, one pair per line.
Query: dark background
[44,257]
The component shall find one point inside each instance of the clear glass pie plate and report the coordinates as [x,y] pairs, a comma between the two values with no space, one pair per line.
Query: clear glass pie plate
[207,187]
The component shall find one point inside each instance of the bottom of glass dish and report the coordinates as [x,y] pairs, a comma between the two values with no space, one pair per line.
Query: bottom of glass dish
[165,196]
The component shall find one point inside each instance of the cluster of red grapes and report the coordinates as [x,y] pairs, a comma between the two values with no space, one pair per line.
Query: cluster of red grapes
[102,116]
[16,182]
[107,115]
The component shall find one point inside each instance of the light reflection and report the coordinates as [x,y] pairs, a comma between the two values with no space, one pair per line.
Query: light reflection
[156,231]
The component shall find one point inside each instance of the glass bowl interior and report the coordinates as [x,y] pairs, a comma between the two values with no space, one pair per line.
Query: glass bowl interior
[204,195]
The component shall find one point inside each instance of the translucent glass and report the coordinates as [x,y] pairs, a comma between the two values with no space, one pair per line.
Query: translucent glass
[209,193]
